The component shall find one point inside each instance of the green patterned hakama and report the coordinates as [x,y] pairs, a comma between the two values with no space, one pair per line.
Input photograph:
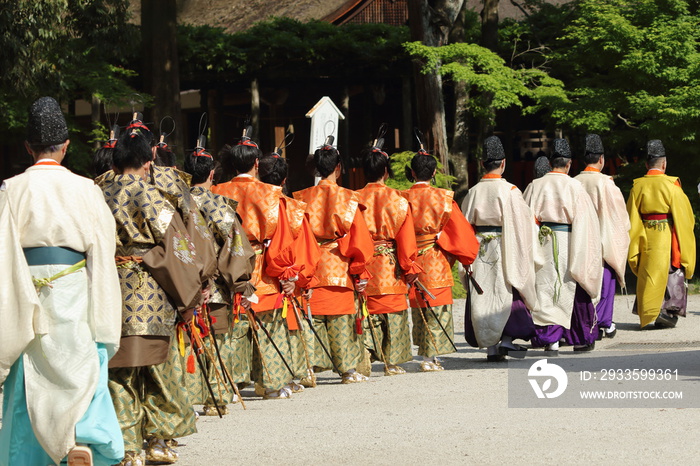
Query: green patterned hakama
[422,339]
[235,348]
[297,340]
[273,374]
[392,334]
[338,334]
[152,401]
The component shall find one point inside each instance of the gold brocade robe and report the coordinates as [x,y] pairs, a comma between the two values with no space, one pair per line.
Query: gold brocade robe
[389,220]
[259,208]
[236,257]
[142,215]
[332,212]
[174,185]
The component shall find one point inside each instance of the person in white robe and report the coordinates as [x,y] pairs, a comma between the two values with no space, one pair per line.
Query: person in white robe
[60,307]
[505,267]
[568,284]
[614,230]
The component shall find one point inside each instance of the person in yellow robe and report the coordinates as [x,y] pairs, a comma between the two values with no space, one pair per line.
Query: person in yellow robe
[662,243]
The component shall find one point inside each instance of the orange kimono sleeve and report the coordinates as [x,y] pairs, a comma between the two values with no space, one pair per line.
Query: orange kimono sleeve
[357,245]
[406,248]
[458,238]
[307,255]
[280,261]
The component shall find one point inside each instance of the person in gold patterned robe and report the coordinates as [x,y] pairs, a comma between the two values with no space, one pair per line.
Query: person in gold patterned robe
[159,275]
[236,261]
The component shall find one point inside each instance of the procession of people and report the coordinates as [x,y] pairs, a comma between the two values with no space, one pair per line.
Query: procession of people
[130,299]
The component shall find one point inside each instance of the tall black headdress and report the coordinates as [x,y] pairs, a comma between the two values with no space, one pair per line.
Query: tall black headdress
[286,142]
[164,135]
[655,149]
[421,151]
[419,136]
[138,127]
[200,149]
[46,125]
[114,129]
[594,145]
[246,137]
[561,149]
[378,142]
[493,149]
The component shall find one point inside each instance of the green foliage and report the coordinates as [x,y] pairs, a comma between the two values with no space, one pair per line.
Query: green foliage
[458,291]
[493,84]
[288,48]
[402,160]
[67,49]
[631,66]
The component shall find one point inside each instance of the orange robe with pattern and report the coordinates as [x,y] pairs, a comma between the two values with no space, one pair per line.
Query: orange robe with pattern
[443,234]
[264,219]
[389,220]
[336,221]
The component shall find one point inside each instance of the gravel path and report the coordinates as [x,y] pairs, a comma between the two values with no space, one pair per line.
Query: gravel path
[459,416]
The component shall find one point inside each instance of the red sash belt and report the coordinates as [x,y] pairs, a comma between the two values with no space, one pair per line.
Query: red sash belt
[655,216]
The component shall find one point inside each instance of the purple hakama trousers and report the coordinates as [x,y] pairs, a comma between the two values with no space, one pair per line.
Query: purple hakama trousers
[583,330]
[518,326]
[604,309]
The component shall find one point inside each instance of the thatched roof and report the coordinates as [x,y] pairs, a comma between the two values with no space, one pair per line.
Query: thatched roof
[238,15]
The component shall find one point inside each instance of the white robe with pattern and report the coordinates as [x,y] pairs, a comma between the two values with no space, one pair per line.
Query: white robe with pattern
[558,198]
[612,215]
[505,260]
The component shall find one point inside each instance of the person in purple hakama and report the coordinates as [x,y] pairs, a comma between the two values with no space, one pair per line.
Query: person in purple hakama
[504,267]
[569,249]
[614,230]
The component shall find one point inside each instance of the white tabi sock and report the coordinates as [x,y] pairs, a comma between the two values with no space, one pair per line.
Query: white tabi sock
[611,328]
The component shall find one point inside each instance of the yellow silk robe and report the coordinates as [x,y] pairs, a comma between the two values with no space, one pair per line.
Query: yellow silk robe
[649,254]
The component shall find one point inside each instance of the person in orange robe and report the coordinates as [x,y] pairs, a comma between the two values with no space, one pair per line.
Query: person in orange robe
[272,169]
[264,219]
[442,235]
[346,246]
[393,267]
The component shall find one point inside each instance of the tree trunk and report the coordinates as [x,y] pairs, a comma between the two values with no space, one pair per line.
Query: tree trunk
[407,142]
[489,39]
[489,25]
[255,107]
[95,117]
[430,22]
[161,70]
[459,148]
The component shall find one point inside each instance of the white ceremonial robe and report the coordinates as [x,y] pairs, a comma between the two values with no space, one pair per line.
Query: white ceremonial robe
[612,216]
[50,206]
[558,198]
[505,260]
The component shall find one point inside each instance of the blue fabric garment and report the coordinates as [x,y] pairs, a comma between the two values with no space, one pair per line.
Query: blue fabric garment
[98,428]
